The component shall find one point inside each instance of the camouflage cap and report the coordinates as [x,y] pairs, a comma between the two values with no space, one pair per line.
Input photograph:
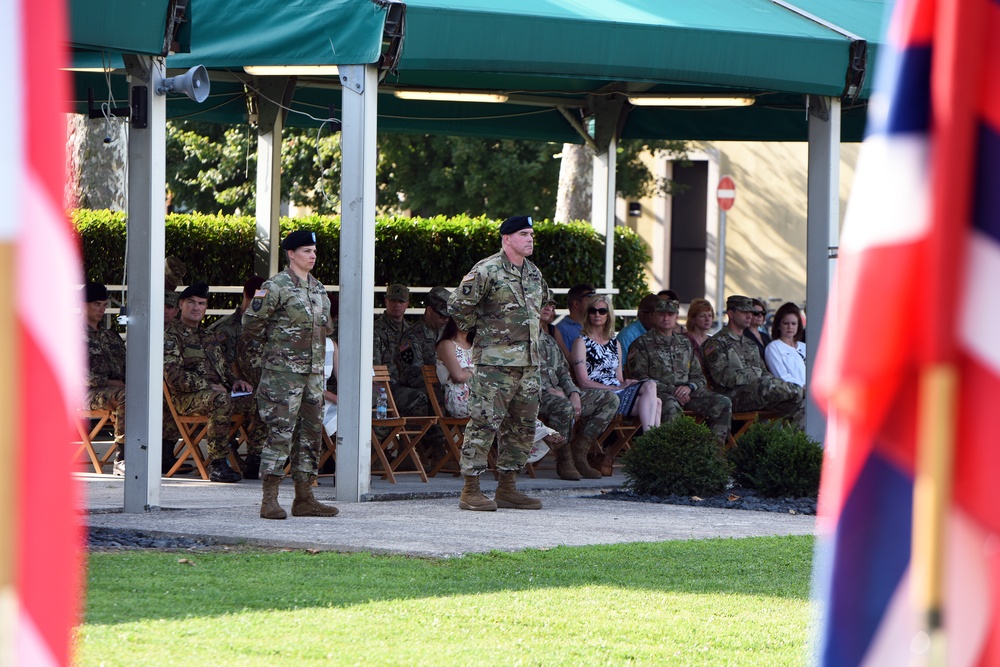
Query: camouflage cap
[173,272]
[648,303]
[437,300]
[739,303]
[667,306]
[170,298]
[398,292]
[549,298]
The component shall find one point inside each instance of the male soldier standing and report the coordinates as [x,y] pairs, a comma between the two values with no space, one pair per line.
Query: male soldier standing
[106,368]
[737,370]
[502,296]
[561,401]
[200,382]
[662,355]
[228,331]
[290,316]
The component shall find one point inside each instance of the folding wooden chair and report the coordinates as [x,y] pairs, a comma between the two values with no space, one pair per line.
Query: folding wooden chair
[405,435]
[745,421]
[193,429]
[88,431]
[623,428]
[329,452]
[452,427]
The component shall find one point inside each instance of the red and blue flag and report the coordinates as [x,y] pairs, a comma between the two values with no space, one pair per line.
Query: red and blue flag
[917,279]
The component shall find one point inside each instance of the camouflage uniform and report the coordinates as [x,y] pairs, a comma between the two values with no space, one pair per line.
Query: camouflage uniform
[417,346]
[409,401]
[106,359]
[192,363]
[598,407]
[227,332]
[736,370]
[290,318]
[670,360]
[503,302]
[243,357]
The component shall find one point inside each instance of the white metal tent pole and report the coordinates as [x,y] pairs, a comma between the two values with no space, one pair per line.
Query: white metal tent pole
[603,206]
[357,280]
[144,266]
[823,232]
[268,198]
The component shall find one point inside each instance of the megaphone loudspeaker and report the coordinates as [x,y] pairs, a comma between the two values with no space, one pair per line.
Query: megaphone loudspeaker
[194,83]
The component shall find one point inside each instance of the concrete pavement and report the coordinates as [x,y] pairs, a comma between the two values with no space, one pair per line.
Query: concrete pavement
[414,518]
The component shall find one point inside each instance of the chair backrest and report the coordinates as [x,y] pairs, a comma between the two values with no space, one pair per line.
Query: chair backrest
[431,381]
[382,380]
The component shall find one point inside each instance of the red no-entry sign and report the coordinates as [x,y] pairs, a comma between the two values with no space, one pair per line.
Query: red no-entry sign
[726,193]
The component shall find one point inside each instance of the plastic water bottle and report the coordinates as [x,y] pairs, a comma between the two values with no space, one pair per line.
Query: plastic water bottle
[382,405]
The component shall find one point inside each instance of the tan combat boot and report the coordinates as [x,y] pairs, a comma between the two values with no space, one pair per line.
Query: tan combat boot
[565,467]
[305,504]
[508,496]
[473,499]
[581,447]
[269,507]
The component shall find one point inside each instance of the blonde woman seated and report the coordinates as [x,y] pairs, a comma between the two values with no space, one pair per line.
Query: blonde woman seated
[597,364]
[455,370]
[785,355]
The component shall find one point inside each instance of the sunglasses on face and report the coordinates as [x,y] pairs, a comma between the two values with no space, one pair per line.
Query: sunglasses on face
[597,311]
[758,313]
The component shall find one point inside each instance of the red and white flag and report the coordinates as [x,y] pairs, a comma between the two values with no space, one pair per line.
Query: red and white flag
[41,373]
[914,309]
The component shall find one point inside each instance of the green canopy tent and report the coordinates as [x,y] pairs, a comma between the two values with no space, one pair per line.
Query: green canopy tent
[558,64]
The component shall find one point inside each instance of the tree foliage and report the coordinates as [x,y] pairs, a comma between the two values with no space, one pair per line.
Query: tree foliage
[436,175]
[212,169]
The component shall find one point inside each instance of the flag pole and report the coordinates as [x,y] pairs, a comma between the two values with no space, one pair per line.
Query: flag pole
[931,497]
[9,424]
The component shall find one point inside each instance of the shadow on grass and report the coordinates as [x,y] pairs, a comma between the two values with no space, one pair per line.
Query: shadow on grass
[131,586]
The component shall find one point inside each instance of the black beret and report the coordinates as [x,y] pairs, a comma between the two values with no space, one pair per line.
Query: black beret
[515,224]
[95,292]
[198,289]
[298,239]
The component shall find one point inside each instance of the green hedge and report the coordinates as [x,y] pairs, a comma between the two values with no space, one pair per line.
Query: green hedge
[219,249]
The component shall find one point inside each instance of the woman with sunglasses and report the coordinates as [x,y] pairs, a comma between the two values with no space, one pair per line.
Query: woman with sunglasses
[754,332]
[597,364]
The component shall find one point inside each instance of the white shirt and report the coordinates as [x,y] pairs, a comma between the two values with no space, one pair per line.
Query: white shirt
[785,362]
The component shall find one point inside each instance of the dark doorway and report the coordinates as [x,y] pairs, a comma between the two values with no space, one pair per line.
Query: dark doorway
[688,235]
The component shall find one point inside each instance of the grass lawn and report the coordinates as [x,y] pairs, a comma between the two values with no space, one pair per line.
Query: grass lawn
[708,602]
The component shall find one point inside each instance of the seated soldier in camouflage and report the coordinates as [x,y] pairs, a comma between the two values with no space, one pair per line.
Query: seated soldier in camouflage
[664,356]
[245,366]
[388,332]
[201,382]
[562,401]
[737,371]
[106,368]
[417,347]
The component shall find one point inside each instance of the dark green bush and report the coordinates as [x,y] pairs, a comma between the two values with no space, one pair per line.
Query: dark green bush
[680,458]
[778,460]
[219,249]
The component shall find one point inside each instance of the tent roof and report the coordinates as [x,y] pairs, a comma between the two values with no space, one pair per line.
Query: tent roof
[129,26]
[549,53]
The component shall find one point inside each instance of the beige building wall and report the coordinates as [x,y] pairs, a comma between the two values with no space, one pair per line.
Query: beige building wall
[765,240]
